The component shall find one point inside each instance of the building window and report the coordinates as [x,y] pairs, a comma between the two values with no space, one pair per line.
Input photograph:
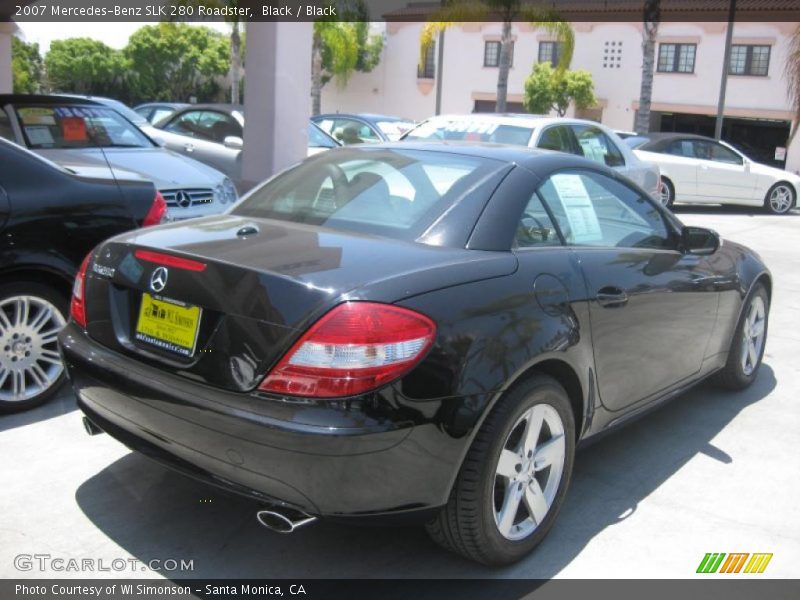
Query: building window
[550,52]
[749,60]
[676,58]
[428,68]
[491,54]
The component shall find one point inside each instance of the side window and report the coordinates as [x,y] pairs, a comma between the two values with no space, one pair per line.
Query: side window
[592,209]
[349,131]
[159,113]
[186,124]
[535,226]
[557,138]
[720,153]
[597,146]
[683,148]
[216,126]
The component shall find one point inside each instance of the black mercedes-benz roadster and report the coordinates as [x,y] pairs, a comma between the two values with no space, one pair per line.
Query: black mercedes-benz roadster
[409,330]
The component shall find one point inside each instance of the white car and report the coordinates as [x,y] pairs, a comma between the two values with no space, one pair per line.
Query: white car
[700,170]
[574,136]
[88,138]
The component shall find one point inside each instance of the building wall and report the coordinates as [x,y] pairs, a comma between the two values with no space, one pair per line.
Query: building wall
[393,87]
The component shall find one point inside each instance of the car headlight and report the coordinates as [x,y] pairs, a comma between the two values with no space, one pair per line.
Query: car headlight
[225,192]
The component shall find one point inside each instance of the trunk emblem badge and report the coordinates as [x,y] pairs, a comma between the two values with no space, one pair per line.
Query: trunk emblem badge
[158,280]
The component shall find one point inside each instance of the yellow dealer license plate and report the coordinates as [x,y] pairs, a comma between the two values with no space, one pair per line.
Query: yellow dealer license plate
[168,324]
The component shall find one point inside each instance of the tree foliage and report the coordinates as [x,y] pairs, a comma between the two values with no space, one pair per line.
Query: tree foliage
[27,67]
[456,12]
[84,66]
[175,61]
[549,89]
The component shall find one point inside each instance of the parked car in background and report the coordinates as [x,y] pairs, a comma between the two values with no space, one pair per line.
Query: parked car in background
[700,170]
[410,330]
[154,112]
[214,134]
[574,136]
[87,137]
[348,128]
[49,220]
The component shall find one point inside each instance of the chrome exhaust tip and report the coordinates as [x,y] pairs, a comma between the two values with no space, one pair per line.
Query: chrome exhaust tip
[90,427]
[284,520]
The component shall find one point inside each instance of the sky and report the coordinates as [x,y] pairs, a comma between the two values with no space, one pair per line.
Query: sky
[114,34]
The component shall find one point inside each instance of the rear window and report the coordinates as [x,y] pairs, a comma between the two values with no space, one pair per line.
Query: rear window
[635,141]
[472,131]
[396,193]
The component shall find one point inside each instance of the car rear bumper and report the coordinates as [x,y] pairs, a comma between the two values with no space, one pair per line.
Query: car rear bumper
[327,459]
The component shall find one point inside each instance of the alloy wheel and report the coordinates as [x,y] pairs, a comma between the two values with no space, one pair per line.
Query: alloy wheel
[529,472]
[29,360]
[753,334]
[665,194]
[780,199]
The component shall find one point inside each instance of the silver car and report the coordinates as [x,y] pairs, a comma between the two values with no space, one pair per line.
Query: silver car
[89,138]
[213,134]
[575,136]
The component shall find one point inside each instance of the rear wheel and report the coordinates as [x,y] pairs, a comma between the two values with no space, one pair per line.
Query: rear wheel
[31,315]
[747,347]
[514,478]
[780,198]
[667,193]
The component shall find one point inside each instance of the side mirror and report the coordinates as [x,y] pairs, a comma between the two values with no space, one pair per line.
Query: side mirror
[699,240]
[234,142]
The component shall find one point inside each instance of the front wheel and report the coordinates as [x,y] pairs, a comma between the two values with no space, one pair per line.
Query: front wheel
[667,194]
[747,346]
[514,478]
[780,199]
[31,315]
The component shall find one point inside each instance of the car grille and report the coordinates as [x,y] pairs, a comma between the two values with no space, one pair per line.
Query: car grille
[187,198]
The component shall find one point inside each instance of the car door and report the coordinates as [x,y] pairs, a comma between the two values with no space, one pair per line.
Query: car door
[652,308]
[678,162]
[722,173]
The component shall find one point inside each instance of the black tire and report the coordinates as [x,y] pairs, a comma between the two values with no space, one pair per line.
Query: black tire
[733,376]
[772,209]
[670,189]
[466,524]
[60,301]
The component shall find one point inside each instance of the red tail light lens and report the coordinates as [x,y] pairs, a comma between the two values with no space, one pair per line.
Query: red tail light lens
[168,260]
[77,306]
[157,212]
[355,348]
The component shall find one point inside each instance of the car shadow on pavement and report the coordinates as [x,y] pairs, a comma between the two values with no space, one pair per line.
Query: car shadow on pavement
[153,513]
[728,209]
[62,403]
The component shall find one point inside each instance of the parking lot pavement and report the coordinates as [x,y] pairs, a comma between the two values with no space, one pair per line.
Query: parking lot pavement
[709,472]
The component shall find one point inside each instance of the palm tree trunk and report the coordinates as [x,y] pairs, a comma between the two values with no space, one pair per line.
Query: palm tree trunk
[316,74]
[505,65]
[649,33]
[236,62]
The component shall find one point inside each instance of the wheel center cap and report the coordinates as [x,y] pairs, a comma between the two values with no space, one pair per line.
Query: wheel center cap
[19,349]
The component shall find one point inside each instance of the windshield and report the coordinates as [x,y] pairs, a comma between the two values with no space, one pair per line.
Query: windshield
[69,126]
[319,139]
[395,129]
[125,111]
[472,131]
[635,141]
[397,193]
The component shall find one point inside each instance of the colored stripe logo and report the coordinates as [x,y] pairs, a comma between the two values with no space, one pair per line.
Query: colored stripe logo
[735,562]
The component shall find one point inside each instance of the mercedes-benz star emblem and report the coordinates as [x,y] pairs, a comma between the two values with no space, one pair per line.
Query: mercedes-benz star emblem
[158,280]
[183,199]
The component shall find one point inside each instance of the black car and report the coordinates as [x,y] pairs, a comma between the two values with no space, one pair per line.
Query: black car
[49,221]
[410,330]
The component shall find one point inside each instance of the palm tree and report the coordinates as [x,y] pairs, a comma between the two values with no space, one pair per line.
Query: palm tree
[792,70]
[652,15]
[458,11]
[232,10]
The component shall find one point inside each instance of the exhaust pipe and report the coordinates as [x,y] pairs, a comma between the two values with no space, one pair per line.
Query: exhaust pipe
[90,427]
[284,520]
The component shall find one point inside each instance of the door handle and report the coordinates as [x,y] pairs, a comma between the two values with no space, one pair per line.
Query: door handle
[188,147]
[611,297]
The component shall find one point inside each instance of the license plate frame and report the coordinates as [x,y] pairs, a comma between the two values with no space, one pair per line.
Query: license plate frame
[166,328]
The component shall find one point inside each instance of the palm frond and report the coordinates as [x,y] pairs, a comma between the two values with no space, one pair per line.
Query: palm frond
[552,23]
[448,16]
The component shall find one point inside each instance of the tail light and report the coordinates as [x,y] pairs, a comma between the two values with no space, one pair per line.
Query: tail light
[168,260]
[77,306]
[355,348]
[157,212]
